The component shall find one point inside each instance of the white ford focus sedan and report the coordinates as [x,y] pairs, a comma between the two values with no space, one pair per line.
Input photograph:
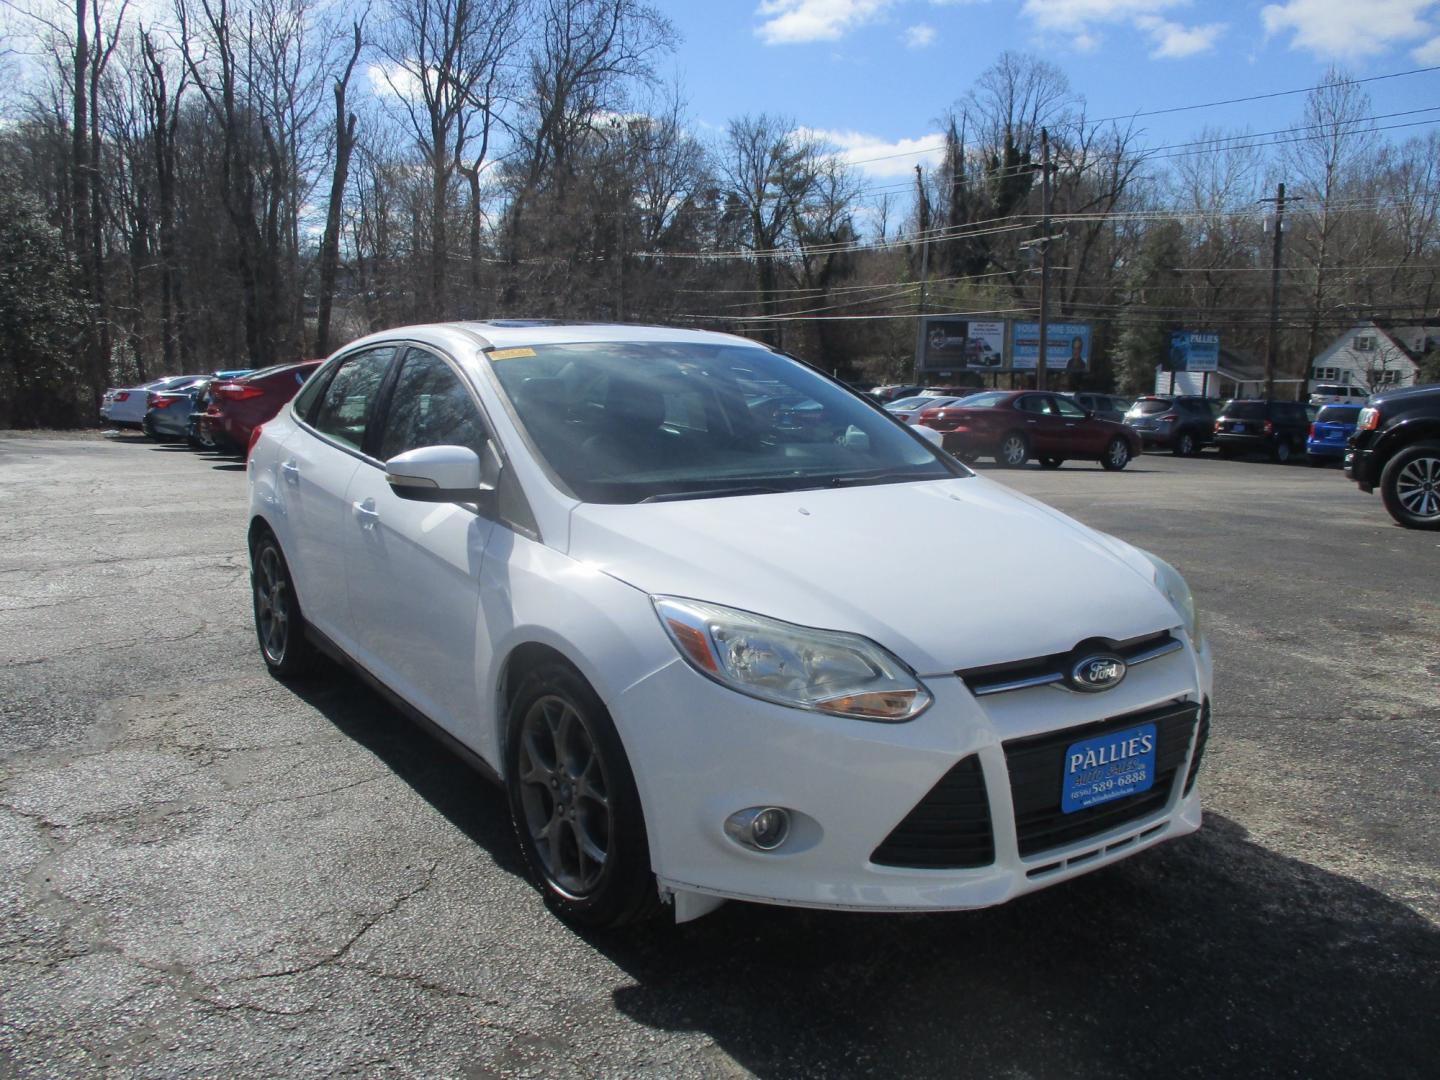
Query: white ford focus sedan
[653,581]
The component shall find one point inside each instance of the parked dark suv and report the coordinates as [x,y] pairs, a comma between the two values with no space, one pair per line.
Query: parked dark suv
[1180,424]
[1396,447]
[1253,426]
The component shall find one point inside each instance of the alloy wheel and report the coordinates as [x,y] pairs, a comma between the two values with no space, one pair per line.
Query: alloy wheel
[564,795]
[1418,487]
[1013,450]
[272,605]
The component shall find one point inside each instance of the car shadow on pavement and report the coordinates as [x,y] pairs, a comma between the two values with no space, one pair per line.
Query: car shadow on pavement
[469,801]
[1209,956]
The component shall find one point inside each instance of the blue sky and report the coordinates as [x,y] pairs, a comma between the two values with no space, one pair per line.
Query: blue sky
[874,75]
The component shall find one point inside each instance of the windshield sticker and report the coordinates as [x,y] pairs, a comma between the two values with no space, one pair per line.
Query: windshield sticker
[510,354]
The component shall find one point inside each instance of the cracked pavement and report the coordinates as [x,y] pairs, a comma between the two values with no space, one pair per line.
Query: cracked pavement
[204,872]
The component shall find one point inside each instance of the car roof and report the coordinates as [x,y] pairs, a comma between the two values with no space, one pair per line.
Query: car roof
[509,333]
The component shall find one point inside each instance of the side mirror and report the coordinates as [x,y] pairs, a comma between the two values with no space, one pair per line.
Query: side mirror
[443,474]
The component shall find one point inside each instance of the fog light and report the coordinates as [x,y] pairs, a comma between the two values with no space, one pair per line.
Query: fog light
[763,828]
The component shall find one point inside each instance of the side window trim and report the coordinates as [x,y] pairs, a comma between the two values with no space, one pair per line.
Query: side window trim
[381,416]
[334,365]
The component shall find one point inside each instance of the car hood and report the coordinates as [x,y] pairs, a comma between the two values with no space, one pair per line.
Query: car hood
[947,574]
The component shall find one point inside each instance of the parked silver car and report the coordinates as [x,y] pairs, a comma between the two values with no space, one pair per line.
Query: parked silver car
[125,407]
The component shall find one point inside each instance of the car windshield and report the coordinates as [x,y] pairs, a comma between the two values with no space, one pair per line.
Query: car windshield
[626,422]
[1338,414]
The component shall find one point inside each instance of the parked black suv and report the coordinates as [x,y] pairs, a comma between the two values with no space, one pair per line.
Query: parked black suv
[1181,424]
[1396,447]
[1253,426]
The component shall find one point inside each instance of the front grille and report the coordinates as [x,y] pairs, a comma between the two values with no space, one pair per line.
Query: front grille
[1036,765]
[948,829]
[1040,670]
[1199,747]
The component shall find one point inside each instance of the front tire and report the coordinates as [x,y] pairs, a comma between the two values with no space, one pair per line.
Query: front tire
[1410,486]
[1116,456]
[1185,445]
[1280,452]
[574,803]
[1013,451]
[279,625]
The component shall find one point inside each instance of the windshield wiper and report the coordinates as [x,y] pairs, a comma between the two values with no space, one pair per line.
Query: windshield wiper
[711,493]
[878,478]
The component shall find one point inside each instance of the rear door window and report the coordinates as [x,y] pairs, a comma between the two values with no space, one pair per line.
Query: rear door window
[1069,409]
[345,408]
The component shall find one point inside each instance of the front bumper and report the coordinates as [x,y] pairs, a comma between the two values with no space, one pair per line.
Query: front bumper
[1362,466]
[702,752]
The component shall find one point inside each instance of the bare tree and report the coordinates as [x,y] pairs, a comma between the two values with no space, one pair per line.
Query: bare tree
[771,172]
[330,243]
[1336,137]
[448,73]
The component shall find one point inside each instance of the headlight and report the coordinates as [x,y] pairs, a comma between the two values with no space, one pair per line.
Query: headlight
[1169,581]
[1368,420]
[820,670]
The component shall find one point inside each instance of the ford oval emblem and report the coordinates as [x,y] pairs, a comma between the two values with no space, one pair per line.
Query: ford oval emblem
[1098,672]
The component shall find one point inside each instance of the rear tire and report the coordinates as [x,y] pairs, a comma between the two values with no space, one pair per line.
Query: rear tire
[1410,486]
[279,625]
[574,803]
[1013,451]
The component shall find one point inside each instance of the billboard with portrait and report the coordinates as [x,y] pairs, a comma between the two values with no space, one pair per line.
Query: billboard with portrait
[949,344]
[1067,347]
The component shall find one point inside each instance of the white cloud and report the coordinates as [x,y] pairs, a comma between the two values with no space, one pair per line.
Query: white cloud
[875,157]
[1080,19]
[919,36]
[1080,14]
[1174,41]
[1429,53]
[392,80]
[1333,29]
[794,22]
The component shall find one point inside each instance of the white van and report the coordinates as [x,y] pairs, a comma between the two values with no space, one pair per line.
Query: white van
[1338,394]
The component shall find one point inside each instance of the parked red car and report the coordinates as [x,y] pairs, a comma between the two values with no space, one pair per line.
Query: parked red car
[239,406]
[1013,426]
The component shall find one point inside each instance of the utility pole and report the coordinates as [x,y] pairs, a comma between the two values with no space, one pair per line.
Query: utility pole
[1040,372]
[1272,341]
[924,269]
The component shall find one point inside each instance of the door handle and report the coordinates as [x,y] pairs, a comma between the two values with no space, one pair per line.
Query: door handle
[1032,421]
[291,471]
[366,514]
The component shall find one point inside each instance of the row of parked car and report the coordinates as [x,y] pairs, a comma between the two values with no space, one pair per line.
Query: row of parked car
[1281,430]
[1389,441]
[220,411]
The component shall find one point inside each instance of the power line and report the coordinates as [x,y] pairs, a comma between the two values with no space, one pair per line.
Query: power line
[1186,108]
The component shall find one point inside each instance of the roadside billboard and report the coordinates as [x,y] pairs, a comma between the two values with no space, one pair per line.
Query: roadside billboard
[1067,347]
[1193,350]
[949,344]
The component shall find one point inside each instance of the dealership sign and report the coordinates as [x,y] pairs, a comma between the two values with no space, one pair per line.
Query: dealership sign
[948,344]
[1193,350]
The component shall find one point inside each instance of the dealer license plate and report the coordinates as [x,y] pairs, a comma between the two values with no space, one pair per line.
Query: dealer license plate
[1108,767]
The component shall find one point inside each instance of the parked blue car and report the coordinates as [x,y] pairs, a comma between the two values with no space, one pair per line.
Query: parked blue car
[1329,432]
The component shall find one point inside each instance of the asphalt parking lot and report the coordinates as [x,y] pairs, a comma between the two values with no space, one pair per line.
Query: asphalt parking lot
[204,872]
